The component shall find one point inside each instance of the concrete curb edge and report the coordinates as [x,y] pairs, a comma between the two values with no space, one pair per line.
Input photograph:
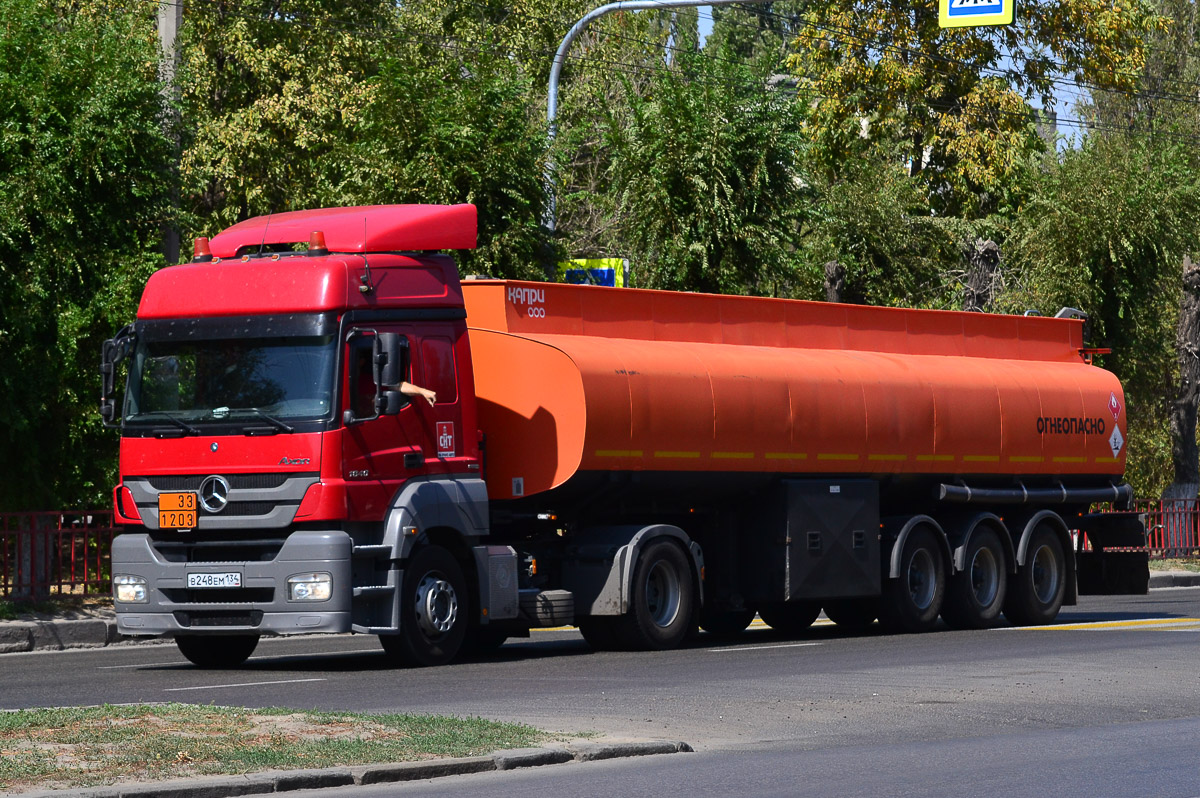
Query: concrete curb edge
[289,780]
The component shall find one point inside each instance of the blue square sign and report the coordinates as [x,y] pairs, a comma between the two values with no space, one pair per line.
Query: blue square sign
[962,13]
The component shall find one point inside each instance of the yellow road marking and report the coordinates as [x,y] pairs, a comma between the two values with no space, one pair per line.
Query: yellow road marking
[1141,623]
[683,455]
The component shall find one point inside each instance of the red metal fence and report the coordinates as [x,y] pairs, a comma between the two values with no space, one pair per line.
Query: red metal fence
[42,554]
[1174,526]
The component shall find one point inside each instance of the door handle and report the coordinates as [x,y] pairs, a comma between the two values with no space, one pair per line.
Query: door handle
[413,460]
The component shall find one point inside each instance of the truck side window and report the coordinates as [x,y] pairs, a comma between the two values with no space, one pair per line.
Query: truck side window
[437,355]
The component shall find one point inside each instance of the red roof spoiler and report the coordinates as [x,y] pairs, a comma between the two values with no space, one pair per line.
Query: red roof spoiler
[367,228]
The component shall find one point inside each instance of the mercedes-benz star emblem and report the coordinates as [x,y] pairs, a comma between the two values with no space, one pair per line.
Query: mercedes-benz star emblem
[214,494]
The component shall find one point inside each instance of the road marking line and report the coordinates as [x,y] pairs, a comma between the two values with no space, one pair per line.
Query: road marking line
[243,684]
[759,648]
[1174,624]
[138,665]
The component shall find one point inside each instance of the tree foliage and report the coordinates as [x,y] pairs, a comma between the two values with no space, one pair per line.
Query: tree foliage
[1106,233]
[706,179]
[956,98]
[83,195]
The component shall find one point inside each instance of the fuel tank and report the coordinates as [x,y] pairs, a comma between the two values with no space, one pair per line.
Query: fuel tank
[584,378]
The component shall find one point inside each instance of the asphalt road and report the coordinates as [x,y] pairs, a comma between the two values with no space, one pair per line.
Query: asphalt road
[1107,703]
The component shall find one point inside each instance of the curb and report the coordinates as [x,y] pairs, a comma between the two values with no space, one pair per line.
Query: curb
[1174,579]
[289,780]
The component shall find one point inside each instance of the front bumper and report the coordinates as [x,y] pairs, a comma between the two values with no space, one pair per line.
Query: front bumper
[259,606]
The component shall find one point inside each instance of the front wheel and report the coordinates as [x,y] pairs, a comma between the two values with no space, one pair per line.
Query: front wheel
[1036,591]
[662,600]
[433,610]
[216,651]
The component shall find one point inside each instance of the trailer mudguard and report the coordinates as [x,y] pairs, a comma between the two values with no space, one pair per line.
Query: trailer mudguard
[959,533]
[599,568]
[898,544]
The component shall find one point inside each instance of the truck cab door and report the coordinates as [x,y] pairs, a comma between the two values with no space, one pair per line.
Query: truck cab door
[380,452]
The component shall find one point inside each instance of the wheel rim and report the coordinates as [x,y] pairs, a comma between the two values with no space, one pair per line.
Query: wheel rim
[1045,574]
[985,577]
[662,594]
[921,579]
[437,605]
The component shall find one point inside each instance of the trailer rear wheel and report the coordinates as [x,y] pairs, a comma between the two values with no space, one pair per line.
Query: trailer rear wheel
[662,600]
[790,618]
[912,601]
[1035,592]
[853,614]
[975,596]
[433,616]
[725,623]
[216,651]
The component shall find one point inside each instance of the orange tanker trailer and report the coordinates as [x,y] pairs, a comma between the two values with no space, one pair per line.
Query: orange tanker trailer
[798,443]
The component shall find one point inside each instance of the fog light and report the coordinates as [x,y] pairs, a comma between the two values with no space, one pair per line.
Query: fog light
[129,589]
[310,587]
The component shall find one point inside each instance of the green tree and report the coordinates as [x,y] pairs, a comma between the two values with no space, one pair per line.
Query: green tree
[1105,232]
[83,196]
[269,89]
[957,99]
[706,180]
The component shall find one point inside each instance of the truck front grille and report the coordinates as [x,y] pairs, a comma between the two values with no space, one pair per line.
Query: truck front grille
[211,618]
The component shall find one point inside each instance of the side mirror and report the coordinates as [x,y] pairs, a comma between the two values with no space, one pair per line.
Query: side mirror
[113,351]
[391,366]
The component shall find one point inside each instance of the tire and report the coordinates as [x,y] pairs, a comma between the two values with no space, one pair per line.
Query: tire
[853,614]
[975,596]
[216,651]
[790,618]
[725,624]
[912,602]
[1037,589]
[662,600]
[433,611]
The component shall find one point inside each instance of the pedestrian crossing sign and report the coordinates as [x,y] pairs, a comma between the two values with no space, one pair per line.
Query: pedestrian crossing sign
[962,13]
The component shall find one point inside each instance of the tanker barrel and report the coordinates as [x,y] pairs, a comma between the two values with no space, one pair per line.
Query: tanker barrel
[1120,495]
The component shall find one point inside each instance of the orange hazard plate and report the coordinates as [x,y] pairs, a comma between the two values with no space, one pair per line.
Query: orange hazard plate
[177,510]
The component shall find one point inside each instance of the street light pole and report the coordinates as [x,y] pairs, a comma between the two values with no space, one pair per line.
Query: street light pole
[561,56]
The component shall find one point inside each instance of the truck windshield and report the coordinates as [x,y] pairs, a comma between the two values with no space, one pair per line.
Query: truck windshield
[241,380]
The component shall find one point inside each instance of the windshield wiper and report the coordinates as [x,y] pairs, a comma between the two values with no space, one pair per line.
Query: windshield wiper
[179,422]
[276,423]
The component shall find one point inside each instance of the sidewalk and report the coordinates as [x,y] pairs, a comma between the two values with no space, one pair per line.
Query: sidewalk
[95,628]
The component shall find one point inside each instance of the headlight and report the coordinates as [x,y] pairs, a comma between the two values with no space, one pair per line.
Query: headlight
[310,587]
[129,589]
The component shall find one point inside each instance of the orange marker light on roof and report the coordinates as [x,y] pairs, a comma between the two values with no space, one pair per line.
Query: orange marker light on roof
[201,253]
[316,244]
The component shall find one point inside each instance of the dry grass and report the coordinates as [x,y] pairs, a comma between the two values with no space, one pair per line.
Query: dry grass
[45,749]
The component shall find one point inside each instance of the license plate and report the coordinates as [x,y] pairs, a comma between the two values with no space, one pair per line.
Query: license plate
[177,510]
[215,580]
